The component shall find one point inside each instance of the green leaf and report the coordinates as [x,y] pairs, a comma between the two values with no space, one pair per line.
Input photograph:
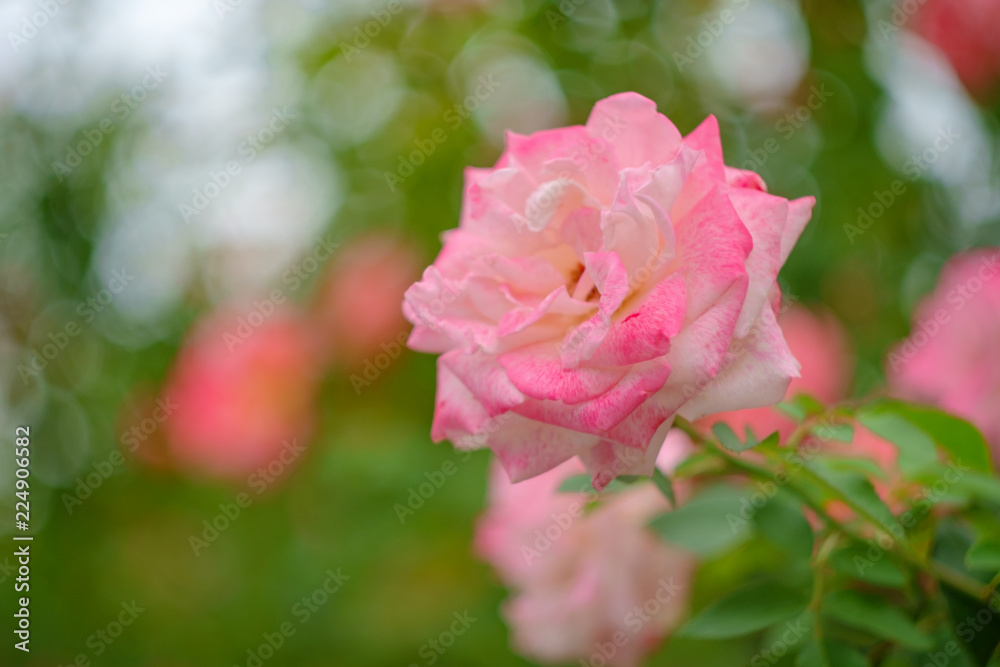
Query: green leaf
[793,410]
[838,432]
[867,467]
[577,484]
[770,442]
[857,488]
[835,654]
[916,449]
[960,439]
[665,486]
[876,617]
[870,565]
[582,484]
[729,439]
[782,522]
[699,463]
[984,555]
[802,406]
[977,485]
[708,524]
[747,610]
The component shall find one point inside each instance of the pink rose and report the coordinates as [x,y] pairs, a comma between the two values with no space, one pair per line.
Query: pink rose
[357,308]
[820,344]
[603,279]
[240,402]
[579,576]
[952,357]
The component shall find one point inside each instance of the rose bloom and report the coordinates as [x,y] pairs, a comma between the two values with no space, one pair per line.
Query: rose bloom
[581,578]
[820,344]
[965,31]
[357,307]
[243,397]
[603,279]
[952,357]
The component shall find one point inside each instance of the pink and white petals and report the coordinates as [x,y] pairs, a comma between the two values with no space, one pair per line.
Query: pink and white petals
[605,278]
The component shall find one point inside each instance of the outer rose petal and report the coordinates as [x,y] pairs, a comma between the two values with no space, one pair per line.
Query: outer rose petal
[764,216]
[631,124]
[713,245]
[758,376]
[820,345]
[527,448]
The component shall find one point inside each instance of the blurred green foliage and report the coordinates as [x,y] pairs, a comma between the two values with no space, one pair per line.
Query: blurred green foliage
[131,539]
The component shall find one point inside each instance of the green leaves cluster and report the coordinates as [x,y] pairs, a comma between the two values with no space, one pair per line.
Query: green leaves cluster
[816,555]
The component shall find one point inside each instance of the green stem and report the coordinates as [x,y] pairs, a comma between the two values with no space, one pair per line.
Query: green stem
[937,570]
[819,562]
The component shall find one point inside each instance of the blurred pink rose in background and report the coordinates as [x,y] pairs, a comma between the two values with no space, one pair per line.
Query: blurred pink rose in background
[357,306]
[966,31]
[244,395]
[603,279]
[588,584]
[952,357]
[820,344]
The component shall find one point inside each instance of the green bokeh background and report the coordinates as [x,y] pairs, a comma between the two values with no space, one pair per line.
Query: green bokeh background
[130,539]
